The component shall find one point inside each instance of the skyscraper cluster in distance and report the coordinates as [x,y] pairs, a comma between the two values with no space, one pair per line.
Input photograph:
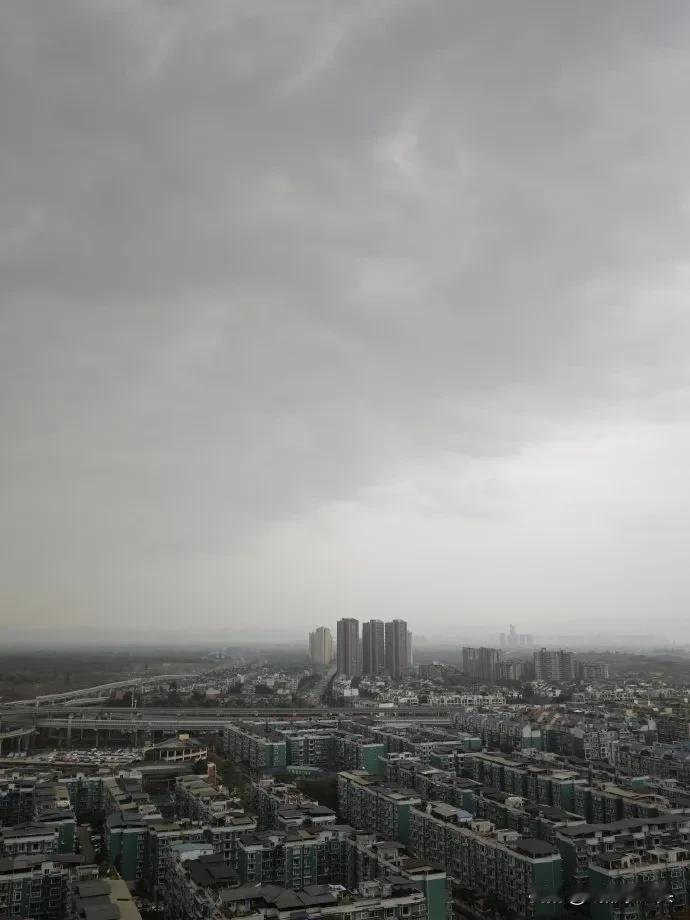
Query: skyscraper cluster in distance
[552,665]
[382,648]
[514,640]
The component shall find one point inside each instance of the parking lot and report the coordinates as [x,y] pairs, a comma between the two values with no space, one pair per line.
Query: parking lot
[91,756]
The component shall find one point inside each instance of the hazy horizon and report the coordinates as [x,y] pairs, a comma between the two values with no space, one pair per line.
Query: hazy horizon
[313,310]
[452,640]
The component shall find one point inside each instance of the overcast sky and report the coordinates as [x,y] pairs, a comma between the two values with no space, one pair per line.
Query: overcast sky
[321,309]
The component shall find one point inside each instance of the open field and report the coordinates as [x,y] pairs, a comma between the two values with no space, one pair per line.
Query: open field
[29,673]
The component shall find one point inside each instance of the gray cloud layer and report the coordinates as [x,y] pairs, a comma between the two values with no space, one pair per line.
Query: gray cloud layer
[312,309]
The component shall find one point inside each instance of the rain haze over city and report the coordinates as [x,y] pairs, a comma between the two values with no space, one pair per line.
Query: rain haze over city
[316,310]
[344,505]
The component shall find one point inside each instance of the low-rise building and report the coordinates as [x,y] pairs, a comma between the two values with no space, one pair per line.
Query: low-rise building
[580,843]
[196,879]
[39,887]
[259,748]
[384,899]
[29,840]
[368,803]
[177,750]
[101,898]
[521,874]
[636,886]
[197,799]
[280,804]
[126,839]
[16,799]
[294,859]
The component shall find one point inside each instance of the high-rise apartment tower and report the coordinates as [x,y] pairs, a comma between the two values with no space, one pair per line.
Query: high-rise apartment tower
[554,664]
[321,646]
[481,663]
[348,650]
[373,647]
[396,648]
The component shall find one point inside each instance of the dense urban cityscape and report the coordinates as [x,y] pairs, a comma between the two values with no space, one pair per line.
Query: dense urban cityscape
[351,781]
[344,451]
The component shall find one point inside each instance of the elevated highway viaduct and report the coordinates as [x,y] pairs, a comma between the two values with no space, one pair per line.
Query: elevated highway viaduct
[145,726]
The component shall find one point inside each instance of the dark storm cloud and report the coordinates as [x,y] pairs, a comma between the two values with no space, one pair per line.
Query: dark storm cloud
[363,302]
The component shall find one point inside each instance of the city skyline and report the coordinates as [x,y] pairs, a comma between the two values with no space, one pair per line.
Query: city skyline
[345,428]
[287,635]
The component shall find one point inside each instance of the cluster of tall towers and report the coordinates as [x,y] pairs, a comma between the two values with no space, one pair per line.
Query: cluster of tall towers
[384,648]
[513,639]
